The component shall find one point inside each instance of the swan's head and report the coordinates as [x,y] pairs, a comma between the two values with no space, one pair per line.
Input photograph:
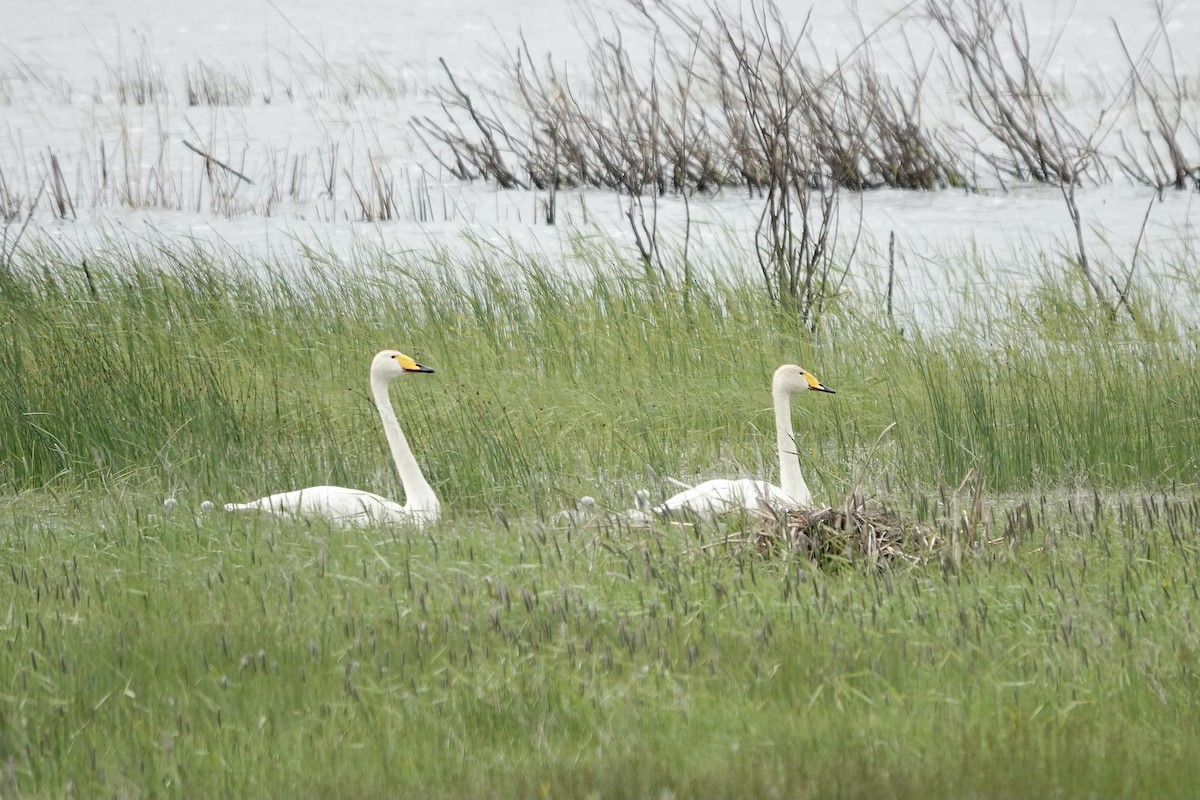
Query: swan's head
[793,379]
[392,364]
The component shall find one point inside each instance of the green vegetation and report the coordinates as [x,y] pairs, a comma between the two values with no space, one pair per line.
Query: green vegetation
[191,654]
[216,378]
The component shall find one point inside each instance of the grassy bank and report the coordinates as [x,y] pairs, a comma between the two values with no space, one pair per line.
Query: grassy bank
[495,655]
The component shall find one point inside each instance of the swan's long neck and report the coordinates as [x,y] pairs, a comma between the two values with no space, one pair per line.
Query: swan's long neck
[418,494]
[790,479]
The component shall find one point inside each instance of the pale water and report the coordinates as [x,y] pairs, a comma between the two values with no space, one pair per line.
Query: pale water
[339,83]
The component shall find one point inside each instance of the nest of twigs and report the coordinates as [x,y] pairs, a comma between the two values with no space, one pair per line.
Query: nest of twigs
[856,532]
[870,532]
[853,533]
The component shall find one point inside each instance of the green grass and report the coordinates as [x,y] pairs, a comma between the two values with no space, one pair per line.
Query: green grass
[186,369]
[221,656]
[195,655]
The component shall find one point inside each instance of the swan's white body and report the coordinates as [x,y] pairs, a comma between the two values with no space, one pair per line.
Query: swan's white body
[723,495]
[353,506]
[337,504]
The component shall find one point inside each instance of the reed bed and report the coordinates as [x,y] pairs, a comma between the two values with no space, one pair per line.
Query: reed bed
[213,372]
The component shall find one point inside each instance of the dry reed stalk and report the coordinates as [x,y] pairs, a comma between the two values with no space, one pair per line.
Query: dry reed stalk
[210,160]
[62,196]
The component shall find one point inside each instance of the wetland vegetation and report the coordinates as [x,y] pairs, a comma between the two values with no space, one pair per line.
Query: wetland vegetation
[504,653]
[1034,412]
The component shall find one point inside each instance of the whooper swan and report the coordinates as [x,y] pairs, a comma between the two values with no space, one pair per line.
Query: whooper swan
[353,506]
[722,495]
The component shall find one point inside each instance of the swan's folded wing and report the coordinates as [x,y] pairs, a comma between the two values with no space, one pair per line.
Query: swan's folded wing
[335,503]
[722,495]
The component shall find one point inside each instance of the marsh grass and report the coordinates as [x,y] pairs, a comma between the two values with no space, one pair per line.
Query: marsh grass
[137,160]
[229,377]
[191,654]
[223,655]
[209,85]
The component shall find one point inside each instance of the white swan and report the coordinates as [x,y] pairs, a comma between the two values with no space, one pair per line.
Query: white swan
[722,495]
[353,506]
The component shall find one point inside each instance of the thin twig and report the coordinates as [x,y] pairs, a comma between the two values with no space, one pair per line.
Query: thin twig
[207,157]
